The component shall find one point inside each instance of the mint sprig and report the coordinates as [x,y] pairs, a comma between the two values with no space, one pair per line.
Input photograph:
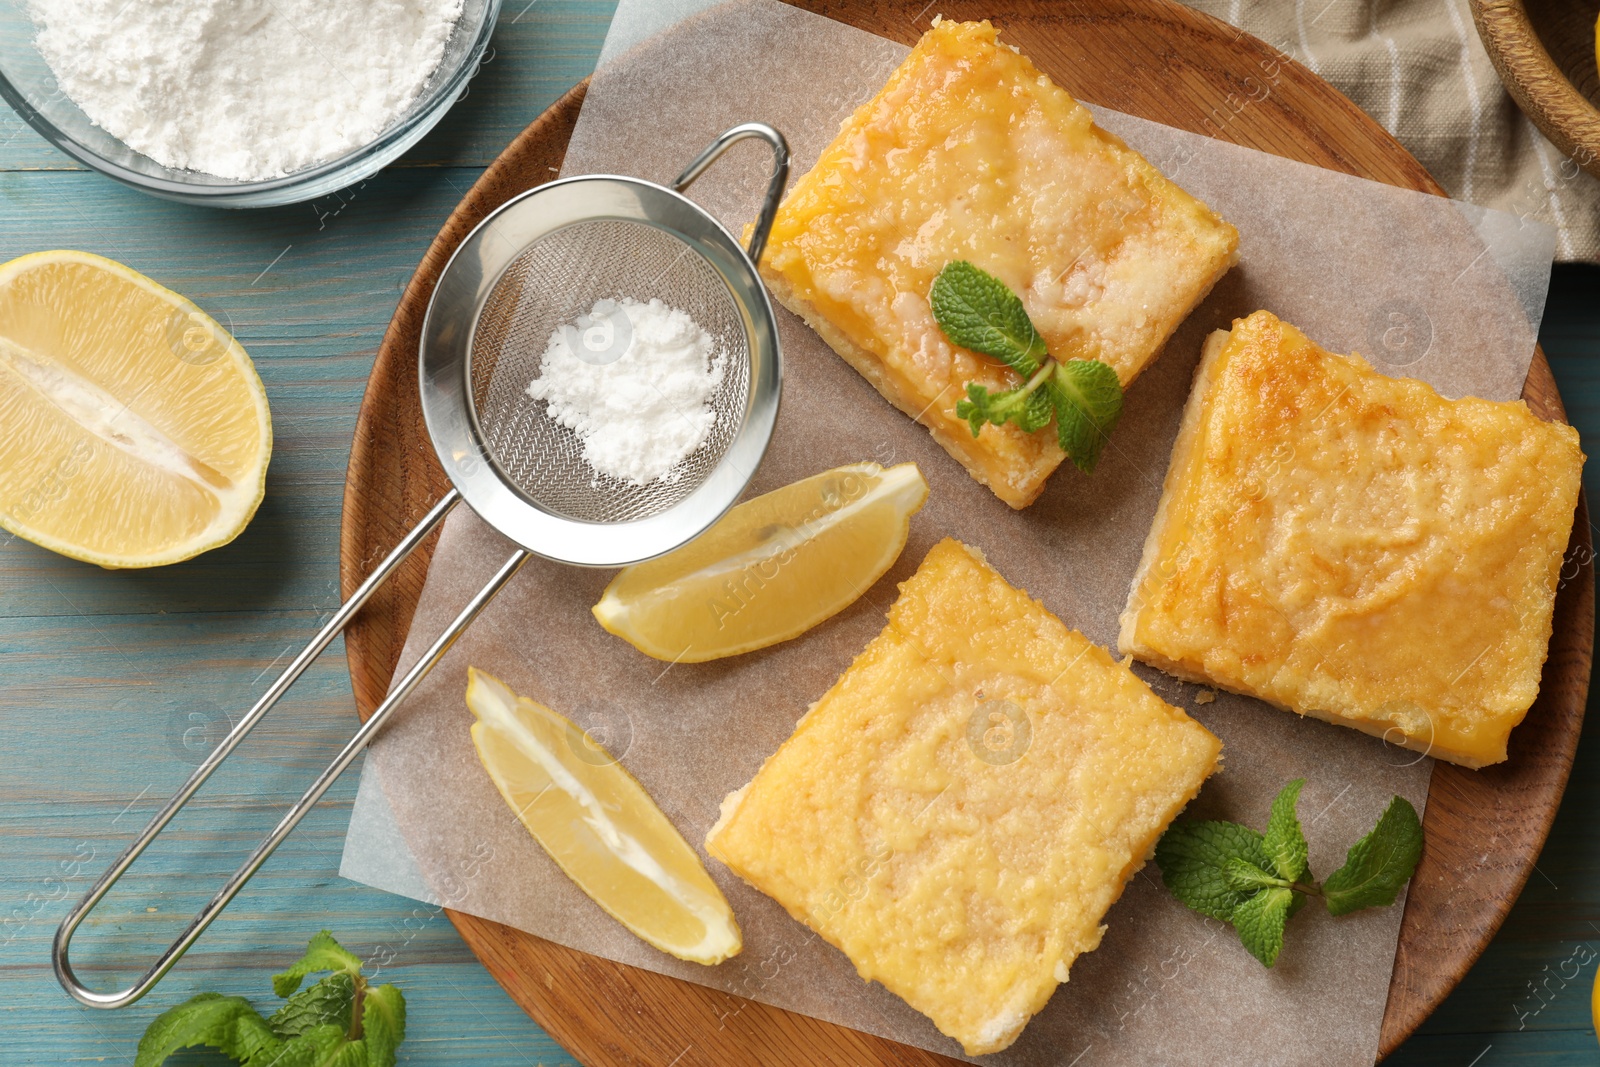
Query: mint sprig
[338,1020]
[1257,881]
[976,310]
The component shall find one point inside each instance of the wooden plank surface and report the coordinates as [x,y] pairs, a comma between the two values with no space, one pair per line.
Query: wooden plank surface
[111,684]
[108,682]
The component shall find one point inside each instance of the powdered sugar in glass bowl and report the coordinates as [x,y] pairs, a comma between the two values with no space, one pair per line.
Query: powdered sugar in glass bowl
[29,86]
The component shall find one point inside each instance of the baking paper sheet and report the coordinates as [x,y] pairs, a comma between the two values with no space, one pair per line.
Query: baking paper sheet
[1404,278]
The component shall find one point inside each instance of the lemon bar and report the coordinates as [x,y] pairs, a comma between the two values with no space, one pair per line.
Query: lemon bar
[970,153]
[1356,547]
[959,811]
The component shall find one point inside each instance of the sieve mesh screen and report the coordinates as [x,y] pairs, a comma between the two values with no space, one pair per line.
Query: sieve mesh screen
[550,285]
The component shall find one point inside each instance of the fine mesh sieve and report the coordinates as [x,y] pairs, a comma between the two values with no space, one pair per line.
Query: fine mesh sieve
[538,264]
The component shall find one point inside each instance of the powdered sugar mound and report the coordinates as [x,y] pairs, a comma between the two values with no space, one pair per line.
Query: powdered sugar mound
[634,381]
[244,89]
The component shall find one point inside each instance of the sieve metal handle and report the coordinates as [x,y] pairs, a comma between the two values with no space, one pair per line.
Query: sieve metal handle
[775,184]
[197,925]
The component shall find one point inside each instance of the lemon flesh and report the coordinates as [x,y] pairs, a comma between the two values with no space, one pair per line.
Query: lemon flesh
[599,825]
[134,431]
[769,570]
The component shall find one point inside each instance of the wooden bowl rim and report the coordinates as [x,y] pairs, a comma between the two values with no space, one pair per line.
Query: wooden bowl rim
[1536,82]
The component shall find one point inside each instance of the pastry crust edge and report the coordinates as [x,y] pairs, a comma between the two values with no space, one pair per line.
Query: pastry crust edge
[1188,435]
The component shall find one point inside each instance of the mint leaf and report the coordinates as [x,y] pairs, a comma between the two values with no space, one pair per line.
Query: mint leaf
[1245,877]
[383,1019]
[1379,864]
[976,310]
[322,954]
[1284,841]
[328,1001]
[228,1024]
[1087,397]
[1028,408]
[1194,858]
[321,1046]
[1259,922]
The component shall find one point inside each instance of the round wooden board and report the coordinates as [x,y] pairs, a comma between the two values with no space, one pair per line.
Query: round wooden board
[1149,57]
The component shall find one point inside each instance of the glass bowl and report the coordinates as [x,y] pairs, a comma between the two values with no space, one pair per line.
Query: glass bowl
[28,85]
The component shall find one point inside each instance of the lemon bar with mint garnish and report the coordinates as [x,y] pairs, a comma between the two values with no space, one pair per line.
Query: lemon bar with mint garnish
[971,153]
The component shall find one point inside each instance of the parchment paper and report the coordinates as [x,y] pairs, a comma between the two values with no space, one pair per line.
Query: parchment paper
[1404,278]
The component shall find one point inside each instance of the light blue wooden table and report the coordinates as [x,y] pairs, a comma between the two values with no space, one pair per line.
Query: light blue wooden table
[112,684]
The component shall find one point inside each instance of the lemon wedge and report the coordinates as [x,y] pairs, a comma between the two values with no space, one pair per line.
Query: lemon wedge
[134,431]
[597,822]
[769,570]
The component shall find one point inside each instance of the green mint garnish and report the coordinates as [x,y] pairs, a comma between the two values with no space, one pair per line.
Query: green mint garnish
[1087,396]
[1260,920]
[976,310]
[1258,881]
[1379,864]
[338,1020]
[1284,842]
[228,1024]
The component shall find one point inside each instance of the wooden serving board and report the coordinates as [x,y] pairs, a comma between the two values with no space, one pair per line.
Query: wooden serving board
[1152,58]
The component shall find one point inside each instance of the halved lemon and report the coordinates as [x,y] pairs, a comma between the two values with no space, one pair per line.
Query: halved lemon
[597,822]
[769,570]
[134,430]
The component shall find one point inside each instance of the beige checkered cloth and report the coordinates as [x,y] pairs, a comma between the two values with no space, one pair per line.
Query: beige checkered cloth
[1418,67]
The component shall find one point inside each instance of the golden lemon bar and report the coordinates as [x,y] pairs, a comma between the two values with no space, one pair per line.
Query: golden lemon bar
[959,811]
[1356,547]
[969,152]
